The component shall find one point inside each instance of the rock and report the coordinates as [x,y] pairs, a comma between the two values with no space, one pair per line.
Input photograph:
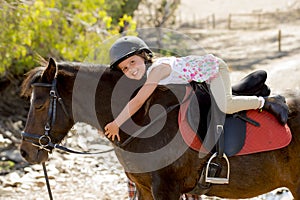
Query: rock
[12,180]
[13,155]
[4,141]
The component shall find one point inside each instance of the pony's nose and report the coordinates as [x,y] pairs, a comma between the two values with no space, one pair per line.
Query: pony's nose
[23,153]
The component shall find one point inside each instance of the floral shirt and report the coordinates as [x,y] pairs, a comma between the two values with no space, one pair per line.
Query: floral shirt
[189,68]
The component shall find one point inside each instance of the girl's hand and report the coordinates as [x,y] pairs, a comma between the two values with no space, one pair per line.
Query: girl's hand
[112,131]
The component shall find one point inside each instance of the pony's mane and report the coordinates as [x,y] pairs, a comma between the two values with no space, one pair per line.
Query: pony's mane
[65,69]
[31,77]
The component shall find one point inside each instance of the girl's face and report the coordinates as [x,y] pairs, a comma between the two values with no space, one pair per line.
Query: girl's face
[133,67]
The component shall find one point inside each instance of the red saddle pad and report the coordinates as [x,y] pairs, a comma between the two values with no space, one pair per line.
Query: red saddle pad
[269,136]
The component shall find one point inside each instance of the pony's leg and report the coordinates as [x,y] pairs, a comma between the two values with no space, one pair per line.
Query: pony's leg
[164,188]
[144,193]
[162,194]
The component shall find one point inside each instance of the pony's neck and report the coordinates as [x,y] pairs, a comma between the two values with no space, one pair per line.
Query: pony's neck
[84,95]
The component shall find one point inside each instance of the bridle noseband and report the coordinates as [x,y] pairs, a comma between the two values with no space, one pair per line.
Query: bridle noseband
[44,141]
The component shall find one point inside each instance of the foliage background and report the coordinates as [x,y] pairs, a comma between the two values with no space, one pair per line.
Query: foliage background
[58,28]
[68,30]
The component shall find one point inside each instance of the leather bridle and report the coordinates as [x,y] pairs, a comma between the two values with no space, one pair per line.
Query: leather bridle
[44,141]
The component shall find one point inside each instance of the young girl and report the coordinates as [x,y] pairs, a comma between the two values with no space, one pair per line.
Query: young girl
[132,56]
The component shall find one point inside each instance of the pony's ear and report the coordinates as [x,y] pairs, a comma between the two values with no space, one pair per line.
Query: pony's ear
[50,72]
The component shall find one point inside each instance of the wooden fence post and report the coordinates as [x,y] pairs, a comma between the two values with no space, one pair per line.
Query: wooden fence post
[229,21]
[213,21]
[279,40]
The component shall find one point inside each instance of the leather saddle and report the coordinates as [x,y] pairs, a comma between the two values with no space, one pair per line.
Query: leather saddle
[202,106]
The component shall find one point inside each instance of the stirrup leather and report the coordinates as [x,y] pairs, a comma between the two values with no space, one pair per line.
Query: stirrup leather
[217,180]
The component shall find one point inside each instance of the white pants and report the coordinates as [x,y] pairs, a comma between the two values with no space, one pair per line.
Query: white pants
[221,90]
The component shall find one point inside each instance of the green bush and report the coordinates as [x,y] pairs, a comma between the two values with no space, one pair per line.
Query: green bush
[66,30]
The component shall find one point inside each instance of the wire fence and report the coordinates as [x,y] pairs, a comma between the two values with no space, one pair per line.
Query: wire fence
[254,20]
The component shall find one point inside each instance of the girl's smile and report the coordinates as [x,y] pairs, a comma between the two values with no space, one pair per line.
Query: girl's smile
[133,67]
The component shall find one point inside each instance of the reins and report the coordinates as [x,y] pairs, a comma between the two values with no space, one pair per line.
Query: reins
[47,181]
[169,109]
[138,132]
[30,138]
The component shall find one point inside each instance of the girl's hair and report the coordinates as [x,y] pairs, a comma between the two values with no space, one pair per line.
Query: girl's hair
[148,58]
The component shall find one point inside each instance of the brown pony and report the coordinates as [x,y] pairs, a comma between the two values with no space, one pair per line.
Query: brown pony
[155,158]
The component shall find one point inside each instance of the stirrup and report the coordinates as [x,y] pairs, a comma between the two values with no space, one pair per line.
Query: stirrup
[217,180]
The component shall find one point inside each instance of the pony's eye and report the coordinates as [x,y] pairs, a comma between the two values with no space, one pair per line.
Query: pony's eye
[38,104]
[38,107]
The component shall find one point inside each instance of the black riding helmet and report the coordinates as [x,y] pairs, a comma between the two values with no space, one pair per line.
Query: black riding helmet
[125,47]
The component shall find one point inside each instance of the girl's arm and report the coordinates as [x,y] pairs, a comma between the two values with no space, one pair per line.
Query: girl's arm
[158,73]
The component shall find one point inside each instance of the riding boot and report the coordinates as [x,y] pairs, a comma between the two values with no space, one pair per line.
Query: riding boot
[277,106]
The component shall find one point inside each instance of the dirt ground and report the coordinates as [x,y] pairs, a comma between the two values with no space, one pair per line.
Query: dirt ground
[102,177]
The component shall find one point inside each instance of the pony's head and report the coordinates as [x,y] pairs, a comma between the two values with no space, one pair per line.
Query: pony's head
[50,114]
